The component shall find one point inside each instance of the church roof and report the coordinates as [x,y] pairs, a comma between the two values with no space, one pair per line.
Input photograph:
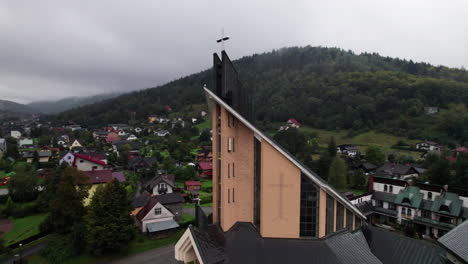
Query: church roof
[457,241]
[312,175]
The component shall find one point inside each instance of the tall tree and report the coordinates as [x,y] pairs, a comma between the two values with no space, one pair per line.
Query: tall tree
[108,223]
[337,175]
[23,185]
[375,155]
[332,147]
[67,208]
[439,172]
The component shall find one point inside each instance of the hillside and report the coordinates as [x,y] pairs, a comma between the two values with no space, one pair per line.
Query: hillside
[53,107]
[327,88]
[12,107]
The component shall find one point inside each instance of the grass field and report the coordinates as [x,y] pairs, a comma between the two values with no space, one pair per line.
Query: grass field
[204,125]
[140,244]
[23,228]
[385,141]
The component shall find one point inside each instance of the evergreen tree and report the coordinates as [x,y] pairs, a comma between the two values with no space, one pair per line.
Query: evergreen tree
[35,160]
[439,172]
[108,223]
[23,185]
[332,147]
[66,209]
[337,175]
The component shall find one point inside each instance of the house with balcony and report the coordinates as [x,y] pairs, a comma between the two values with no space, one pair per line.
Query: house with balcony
[161,184]
[431,209]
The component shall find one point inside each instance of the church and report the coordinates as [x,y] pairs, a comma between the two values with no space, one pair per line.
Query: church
[268,207]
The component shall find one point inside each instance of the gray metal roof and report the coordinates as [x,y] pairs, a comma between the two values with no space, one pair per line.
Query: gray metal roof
[160,226]
[351,248]
[393,248]
[384,196]
[457,241]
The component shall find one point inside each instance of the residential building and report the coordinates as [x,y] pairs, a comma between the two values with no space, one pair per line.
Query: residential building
[76,144]
[292,122]
[119,175]
[430,146]
[161,184]
[86,163]
[155,217]
[348,150]
[192,186]
[400,171]
[26,143]
[138,163]
[67,157]
[112,137]
[205,169]
[152,119]
[162,133]
[44,156]
[3,145]
[430,110]
[15,134]
[433,210]
[99,176]
[174,203]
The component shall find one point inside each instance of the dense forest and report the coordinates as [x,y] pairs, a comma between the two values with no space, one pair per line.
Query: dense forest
[326,88]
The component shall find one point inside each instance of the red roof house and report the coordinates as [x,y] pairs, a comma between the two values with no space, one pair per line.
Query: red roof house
[99,176]
[192,185]
[292,122]
[112,136]
[87,163]
[205,169]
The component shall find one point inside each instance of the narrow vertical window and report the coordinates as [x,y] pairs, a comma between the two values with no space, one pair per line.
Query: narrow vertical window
[233,170]
[349,220]
[309,208]
[339,216]
[330,215]
[230,144]
[257,180]
[391,188]
[233,196]
[229,170]
[385,188]
[229,195]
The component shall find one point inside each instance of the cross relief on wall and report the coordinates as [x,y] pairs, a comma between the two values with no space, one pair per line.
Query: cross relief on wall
[281,186]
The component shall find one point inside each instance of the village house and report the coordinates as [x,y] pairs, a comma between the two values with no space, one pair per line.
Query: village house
[205,169]
[161,184]
[122,133]
[100,134]
[99,176]
[139,201]
[155,217]
[3,145]
[430,110]
[96,156]
[192,186]
[348,150]
[131,137]
[76,144]
[292,122]
[138,163]
[26,143]
[44,156]
[15,134]
[400,171]
[112,137]
[152,119]
[433,210]
[119,175]
[117,127]
[134,146]
[73,127]
[174,203]
[137,130]
[429,146]
[86,163]
[161,132]
[67,157]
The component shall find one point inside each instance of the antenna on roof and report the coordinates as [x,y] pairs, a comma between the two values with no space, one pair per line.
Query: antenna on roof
[222,39]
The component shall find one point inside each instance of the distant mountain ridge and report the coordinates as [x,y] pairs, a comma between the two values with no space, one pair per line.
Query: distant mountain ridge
[12,107]
[53,107]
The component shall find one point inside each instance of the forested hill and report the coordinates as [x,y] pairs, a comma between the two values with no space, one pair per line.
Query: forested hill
[322,87]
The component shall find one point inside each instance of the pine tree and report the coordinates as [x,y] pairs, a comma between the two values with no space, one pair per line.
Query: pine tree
[337,173]
[108,223]
[66,209]
[332,147]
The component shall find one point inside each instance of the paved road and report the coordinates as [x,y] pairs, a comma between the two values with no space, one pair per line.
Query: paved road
[25,253]
[162,255]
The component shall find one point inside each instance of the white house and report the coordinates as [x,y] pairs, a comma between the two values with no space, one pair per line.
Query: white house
[3,145]
[76,144]
[428,146]
[86,163]
[138,130]
[154,217]
[68,158]
[162,133]
[15,134]
[349,150]
[132,137]
[122,133]
[25,142]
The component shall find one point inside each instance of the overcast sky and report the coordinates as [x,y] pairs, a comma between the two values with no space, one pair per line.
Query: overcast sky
[54,49]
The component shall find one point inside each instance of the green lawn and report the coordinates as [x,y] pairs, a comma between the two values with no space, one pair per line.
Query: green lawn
[204,125]
[385,141]
[24,228]
[164,154]
[140,244]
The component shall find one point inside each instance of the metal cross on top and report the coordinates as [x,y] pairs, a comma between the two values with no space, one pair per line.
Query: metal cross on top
[281,186]
[222,39]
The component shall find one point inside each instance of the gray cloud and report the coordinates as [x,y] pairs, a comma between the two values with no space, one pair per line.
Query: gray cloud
[52,49]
